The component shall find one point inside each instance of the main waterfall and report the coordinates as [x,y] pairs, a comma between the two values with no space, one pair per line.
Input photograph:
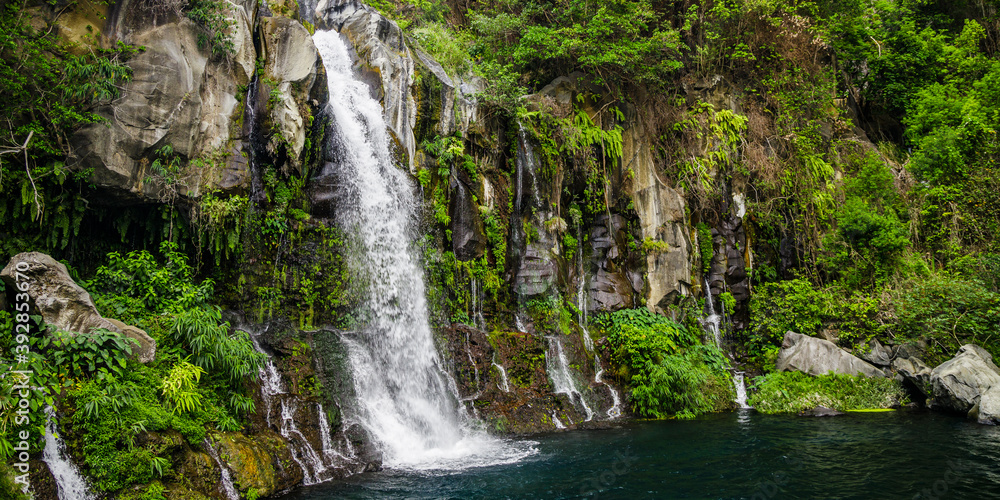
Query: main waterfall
[405,398]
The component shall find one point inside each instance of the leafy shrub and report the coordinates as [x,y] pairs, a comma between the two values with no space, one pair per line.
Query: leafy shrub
[951,311]
[213,348]
[180,387]
[784,392]
[77,355]
[775,308]
[668,370]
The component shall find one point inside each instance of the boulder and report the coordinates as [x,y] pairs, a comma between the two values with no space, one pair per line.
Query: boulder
[819,357]
[988,409]
[915,371]
[821,411]
[145,351]
[60,301]
[958,384]
[65,305]
[879,355]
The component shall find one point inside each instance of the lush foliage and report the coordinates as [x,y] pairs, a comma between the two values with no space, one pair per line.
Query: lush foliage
[669,371]
[784,392]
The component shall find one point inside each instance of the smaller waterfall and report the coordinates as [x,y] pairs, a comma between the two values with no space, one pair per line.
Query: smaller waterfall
[581,292]
[472,360]
[712,321]
[557,366]
[70,484]
[226,483]
[477,304]
[741,390]
[503,385]
[616,402]
[558,423]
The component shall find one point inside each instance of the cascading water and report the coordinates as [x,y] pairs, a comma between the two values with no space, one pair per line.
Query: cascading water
[406,400]
[562,381]
[712,319]
[70,484]
[503,384]
[741,390]
[616,402]
[316,467]
[226,480]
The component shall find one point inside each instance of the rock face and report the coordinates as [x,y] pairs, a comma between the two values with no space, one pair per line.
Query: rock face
[661,214]
[63,304]
[958,384]
[819,357]
[914,371]
[988,410]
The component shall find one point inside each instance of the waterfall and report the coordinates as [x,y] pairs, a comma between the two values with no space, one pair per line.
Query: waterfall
[712,320]
[316,467]
[562,380]
[70,484]
[741,390]
[478,296]
[405,398]
[503,385]
[558,423]
[581,292]
[226,482]
[616,402]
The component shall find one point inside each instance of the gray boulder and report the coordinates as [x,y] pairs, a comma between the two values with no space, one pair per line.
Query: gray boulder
[879,355]
[915,371]
[145,351]
[64,304]
[819,357]
[958,384]
[60,301]
[988,409]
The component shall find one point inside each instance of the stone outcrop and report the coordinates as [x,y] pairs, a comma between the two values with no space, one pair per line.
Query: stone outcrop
[64,304]
[819,357]
[915,371]
[958,384]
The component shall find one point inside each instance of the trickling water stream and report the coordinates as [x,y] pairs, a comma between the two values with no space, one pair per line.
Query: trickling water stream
[406,400]
[226,480]
[70,484]
[557,367]
[741,390]
[712,319]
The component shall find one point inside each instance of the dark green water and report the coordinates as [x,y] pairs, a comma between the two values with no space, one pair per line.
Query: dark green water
[745,456]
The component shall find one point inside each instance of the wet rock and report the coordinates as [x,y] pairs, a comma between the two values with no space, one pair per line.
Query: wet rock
[987,411]
[292,62]
[819,357]
[957,384]
[468,238]
[609,292]
[821,411]
[263,461]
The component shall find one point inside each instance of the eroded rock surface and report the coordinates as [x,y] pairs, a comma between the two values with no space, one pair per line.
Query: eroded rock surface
[819,357]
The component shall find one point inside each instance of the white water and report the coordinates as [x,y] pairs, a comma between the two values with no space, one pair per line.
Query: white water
[741,390]
[616,402]
[557,367]
[228,489]
[503,385]
[558,423]
[313,467]
[406,400]
[712,320]
[70,484]
[477,295]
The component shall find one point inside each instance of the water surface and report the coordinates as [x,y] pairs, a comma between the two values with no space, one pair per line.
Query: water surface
[911,455]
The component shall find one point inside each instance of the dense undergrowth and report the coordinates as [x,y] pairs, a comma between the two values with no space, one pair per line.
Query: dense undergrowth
[196,385]
[788,392]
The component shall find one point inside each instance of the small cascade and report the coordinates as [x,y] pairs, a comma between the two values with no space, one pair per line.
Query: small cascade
[503,384]
[316,467]
[70,484]
[472,360]
[526,164]
[581,292]
[712,321]
[616,402]
[741,390]
[226,482]
[557,366]
[558,423]
[476,292]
